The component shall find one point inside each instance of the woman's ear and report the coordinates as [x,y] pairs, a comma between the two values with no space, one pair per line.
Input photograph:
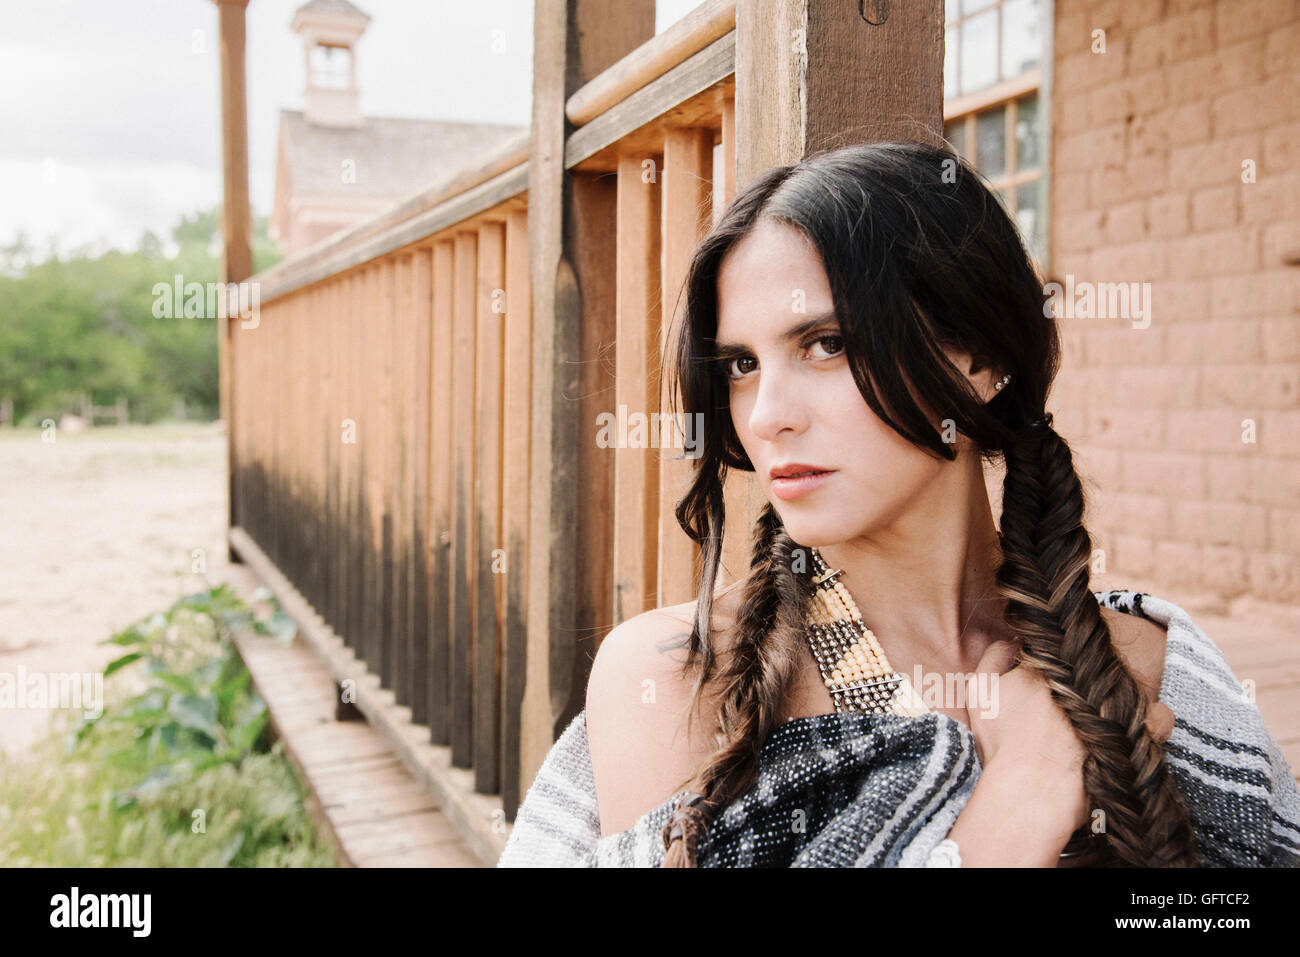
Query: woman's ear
[982,376]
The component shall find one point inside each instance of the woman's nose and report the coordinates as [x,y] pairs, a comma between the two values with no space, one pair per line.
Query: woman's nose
[779,405]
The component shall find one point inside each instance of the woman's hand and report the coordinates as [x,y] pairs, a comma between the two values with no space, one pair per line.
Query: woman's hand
[1023,737]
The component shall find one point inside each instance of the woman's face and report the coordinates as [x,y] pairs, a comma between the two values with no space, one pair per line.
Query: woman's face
[793,400]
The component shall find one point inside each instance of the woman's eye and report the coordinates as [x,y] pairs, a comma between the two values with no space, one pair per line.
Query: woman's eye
[838,342]
[832,345]
[731,367]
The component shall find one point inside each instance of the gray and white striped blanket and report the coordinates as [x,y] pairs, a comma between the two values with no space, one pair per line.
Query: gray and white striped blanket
[858,790]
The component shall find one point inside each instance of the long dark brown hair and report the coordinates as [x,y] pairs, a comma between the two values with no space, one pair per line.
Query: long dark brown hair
[920,255]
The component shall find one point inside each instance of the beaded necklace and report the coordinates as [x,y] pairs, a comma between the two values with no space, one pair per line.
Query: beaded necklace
[856,671]
[852,663]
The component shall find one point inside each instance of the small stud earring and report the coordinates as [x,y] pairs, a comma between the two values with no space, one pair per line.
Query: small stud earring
[1003,381]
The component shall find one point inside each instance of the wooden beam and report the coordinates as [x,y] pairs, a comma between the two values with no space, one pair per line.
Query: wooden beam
[573,40]
[236,218]
[820,74]
[652,59]
[593,251]
[690,94]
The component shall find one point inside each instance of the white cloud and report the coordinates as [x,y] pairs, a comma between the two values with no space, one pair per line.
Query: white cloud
[121,99]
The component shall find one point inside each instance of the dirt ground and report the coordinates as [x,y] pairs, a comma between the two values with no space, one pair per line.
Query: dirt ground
[99,530]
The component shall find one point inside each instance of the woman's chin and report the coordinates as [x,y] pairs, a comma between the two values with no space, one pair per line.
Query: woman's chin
[812,531]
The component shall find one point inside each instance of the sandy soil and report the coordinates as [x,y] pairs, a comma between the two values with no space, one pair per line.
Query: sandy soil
[98,531]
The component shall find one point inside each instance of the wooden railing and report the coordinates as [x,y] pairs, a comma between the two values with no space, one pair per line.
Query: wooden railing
[381,409]
[414,416]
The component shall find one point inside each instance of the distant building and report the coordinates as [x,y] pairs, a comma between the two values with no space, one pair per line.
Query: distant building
[335,167]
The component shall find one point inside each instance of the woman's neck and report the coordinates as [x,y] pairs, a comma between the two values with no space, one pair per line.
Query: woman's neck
[928,581]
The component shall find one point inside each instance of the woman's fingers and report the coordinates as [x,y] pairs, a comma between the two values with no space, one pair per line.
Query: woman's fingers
[1160,721]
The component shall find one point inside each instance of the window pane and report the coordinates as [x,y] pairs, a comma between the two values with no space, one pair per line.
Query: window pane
[1027,133]
[970,6]
[1028,196]
[955,133]
[951,10]
[991,140]
[1021,43]
[950,64]
[979,40]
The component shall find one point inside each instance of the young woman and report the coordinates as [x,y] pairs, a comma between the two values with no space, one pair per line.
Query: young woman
[863,330]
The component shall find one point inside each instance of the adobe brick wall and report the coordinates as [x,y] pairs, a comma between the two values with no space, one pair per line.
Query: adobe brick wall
[1148,142]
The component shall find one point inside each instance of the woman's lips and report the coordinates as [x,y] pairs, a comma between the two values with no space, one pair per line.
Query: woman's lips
[795,486]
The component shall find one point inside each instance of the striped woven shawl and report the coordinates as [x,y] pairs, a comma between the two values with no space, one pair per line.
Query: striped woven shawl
[871,790]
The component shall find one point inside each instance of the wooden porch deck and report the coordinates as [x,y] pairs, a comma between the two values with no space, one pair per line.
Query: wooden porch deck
[364,800]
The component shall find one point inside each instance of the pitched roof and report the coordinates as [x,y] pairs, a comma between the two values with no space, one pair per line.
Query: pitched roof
[392,156]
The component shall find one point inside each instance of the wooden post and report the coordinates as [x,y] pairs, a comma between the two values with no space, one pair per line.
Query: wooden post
[820,74]
[573,41]
[236,218]
[813,75]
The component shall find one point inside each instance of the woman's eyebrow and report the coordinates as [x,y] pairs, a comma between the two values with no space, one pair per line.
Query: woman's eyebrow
[797,331]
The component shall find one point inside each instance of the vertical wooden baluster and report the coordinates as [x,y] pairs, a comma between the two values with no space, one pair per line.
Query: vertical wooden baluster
[742,495]
[464,309]
[388,472]
[517,431]
[278,412]
[357,519]
[489,556]
[441,465]
[636,484]
[329,455]
[421,388]
[401,485]
[372,459]
[688,166]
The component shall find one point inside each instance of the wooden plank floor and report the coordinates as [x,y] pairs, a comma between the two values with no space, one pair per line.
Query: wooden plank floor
[364,799]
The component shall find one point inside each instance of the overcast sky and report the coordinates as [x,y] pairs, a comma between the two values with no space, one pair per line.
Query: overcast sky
[111,108]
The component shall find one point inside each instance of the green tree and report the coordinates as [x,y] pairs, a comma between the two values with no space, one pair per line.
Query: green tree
[80,324]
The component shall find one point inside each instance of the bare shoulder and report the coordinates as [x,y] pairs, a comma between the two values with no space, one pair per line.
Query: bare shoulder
[653,644]
[643,750]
